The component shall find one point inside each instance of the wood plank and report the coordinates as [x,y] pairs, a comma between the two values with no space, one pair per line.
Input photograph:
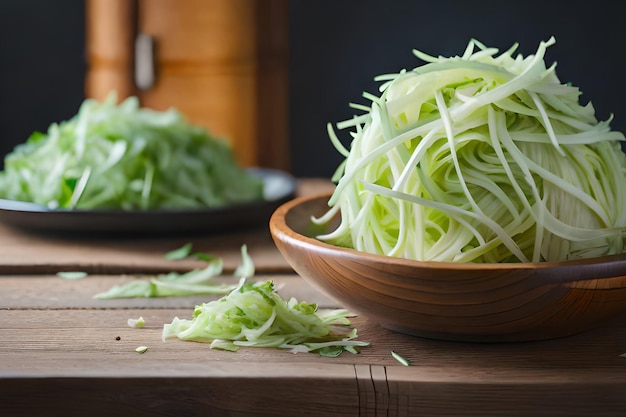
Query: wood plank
[500,398]
[328,395]
[52,292]
[23,252]
[79,342]
[367,400]
[46,354]
[94,351]
[26,253]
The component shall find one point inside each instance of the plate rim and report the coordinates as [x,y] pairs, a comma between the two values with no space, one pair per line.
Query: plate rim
[29,215]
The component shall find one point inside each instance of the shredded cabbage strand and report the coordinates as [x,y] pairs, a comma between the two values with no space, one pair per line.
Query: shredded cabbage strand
[255,315]
[126,157]
[479,158]
[174,284]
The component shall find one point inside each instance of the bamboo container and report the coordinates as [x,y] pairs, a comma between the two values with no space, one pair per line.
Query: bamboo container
[223,63]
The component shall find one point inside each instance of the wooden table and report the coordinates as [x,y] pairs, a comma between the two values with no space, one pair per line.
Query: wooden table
[64,353]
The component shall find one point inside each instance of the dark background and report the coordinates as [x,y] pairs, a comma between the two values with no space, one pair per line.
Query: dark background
[337,48]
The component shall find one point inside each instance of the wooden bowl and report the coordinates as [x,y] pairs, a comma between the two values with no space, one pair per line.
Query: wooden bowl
[452,301]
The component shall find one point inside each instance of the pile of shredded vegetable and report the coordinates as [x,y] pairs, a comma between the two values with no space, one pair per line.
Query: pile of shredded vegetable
[484,157]
[255,315]
[250,314]
[126,157]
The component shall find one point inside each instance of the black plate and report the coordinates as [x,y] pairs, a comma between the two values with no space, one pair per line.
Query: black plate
[279,188]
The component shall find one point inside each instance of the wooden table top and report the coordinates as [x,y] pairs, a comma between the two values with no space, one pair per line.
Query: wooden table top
[64,353]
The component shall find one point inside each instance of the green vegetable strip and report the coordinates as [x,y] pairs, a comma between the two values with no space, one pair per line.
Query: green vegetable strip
[479,158]
[246,269]
[195,282]
[497,129]
[400,358]
[80,187]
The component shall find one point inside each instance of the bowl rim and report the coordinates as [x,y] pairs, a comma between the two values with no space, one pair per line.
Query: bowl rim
[280,230]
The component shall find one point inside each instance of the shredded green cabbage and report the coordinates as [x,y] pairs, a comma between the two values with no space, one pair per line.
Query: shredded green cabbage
[255,315]
[126,157]
[174,284]
[479,158]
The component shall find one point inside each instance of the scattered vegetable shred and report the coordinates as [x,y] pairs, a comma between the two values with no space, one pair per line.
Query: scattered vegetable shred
[404,361]
[72,274]
[179,253]
[136,323]
[173,284]
[255,315]
[482,157]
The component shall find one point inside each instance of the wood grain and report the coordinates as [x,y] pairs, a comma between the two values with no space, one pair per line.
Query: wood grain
[47,355]
[27,253]
[222,63]
[23,252]
[46,292]
[65,342]
[110,28]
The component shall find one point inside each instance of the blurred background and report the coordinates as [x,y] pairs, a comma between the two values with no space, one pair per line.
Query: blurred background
[334,51]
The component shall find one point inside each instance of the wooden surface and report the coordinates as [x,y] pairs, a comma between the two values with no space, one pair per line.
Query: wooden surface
[24,253]
[60,354]
[222,63]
